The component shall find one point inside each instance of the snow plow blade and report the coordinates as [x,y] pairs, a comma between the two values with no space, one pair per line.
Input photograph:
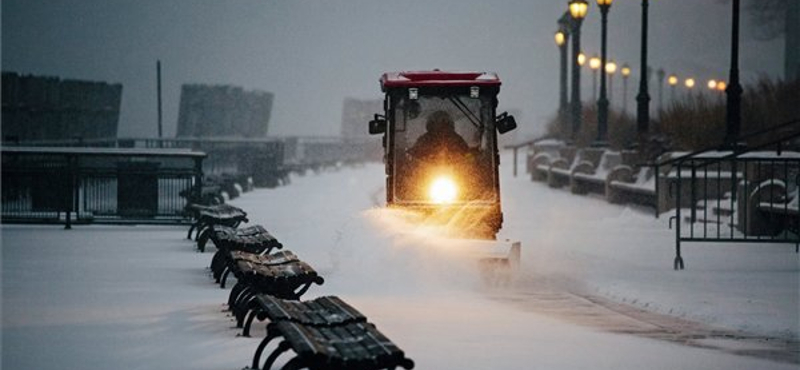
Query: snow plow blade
[498,261]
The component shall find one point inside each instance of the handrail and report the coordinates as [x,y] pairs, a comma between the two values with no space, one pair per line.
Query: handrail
[528,142]
[738,152]
[735,150]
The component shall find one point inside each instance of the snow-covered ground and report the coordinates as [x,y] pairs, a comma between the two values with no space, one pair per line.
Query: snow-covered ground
[139,297]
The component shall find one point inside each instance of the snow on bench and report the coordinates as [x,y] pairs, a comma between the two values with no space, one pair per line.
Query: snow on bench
[208,216]
[229,262]
[254,239]
[588,177]
[623,186]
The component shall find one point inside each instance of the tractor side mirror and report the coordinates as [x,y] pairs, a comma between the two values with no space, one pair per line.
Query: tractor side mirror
[377,125]
[505,123]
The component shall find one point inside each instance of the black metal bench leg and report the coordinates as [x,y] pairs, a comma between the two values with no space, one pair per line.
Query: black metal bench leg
[217,263]
[224,277]
[203,236]
[242,305]
[260,349]
[194,226]
[236,305]
[282,347]
[202,241]
[235,291]
[249,322]
[248,307]
[201,229]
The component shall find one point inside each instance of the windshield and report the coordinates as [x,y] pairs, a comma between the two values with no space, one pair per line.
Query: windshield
[443,136]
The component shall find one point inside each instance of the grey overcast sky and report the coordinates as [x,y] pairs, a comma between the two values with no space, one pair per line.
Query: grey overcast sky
[314,53]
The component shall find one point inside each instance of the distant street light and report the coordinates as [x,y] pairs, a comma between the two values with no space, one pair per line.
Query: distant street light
[581,59]
[603,102]
[689,83]
[712,84]
[594,65]
[626,71]
[577,11]
[721,85]
[561,38]
[643,99]
[672,80]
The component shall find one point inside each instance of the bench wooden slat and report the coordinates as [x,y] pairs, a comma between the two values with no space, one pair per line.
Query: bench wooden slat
[321,311]
[356,345]
[254,239]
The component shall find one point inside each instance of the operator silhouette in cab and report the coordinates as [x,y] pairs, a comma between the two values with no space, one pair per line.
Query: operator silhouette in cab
[440,142]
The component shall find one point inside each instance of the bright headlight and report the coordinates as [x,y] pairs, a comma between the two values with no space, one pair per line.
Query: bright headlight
[443,190]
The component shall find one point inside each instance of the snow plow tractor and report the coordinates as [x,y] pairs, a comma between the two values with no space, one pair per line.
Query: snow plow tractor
[441,155]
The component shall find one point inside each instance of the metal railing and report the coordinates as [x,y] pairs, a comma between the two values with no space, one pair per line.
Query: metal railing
[101,185]
[265,160]
[738,195]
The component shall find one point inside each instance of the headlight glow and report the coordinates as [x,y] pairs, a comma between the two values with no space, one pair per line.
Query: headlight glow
[443,190]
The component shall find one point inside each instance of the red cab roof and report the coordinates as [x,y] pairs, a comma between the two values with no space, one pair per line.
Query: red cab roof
[438,78]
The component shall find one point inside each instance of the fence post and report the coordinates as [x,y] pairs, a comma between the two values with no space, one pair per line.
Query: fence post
[198,175]
[73,191]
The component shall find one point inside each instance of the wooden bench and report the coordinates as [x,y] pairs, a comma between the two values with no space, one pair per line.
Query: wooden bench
[623,186]
[254,239]
[228,262]
[770,210]
[539,165]
[591,177]
[355,345]
[322,311]
[784,218]
[208,216]
[288,280]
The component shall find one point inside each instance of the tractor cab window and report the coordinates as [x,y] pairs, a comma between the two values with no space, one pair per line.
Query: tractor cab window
[446,136]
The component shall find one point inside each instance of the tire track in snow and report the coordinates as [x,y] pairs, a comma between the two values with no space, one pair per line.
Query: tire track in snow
[557,299]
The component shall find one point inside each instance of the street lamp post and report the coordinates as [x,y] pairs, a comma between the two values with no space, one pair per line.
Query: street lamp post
[611,70]
[660,74]
[577,11]
[643,99]
[733,115]
[625,71]
[672,80]
[602,103]
[561,38]
[594,65]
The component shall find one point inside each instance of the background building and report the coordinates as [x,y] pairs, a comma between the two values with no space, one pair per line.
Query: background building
[48,108]
[223,111]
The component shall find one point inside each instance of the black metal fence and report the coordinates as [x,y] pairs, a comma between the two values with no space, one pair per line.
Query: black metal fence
[266,161]
[66,185]
[741,195]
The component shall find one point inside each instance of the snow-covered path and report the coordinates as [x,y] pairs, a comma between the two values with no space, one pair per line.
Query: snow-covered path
[139,297]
